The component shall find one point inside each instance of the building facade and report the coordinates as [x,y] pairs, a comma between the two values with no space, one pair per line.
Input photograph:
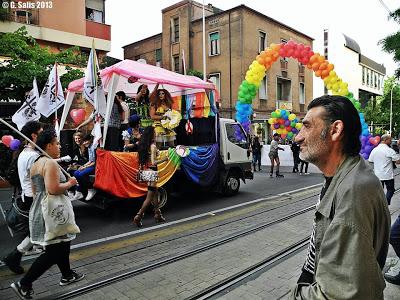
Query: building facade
[364,76]
[233,40]
[61,24]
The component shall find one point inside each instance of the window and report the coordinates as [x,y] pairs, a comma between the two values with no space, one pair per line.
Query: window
[214,47]
[283,87]
[176,63]
[284,59]
[158,57]
[375,80]
[262,90]
[363,75]
[368,75]
[262,36]
[236,135]
[94,15]
[174,30]
[216,80]
[302,93]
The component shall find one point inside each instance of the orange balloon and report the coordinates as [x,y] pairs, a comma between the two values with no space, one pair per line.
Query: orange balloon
[321,59]
[323,66]
[260,60]
[330,67]
[275,47]
[315,66]
[309,66]
[324,73]
[318,73]
[275,55]
[313,59]
[268,59]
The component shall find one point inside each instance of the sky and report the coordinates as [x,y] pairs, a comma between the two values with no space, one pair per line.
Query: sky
[365,21]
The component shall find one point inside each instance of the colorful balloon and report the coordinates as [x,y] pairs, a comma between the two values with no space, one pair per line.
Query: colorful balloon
[6,139]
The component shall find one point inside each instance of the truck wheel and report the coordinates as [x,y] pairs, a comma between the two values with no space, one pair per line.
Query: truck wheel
[232,185]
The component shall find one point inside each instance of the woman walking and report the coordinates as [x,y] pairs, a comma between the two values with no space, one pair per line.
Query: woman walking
[47,179]
[148,153]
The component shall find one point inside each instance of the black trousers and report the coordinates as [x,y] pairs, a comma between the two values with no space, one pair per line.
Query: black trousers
[53,254]
[389,189]
[113,139]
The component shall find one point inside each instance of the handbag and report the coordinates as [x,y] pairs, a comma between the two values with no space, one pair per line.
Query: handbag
[16,218]
[147,176]
[59,217]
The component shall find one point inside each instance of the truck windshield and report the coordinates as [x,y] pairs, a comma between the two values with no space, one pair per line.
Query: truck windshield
[236,135]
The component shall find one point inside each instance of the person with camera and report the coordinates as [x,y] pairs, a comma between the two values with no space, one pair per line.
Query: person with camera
[24,163]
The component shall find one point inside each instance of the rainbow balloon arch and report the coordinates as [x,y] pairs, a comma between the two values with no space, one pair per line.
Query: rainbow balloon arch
[283,122]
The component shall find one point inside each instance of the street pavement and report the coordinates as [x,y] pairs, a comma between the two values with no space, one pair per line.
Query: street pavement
[118,220]
[184,278]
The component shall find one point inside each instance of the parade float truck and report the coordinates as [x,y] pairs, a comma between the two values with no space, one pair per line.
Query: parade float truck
[211,153]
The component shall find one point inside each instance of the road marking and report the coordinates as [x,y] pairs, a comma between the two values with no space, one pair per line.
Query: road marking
[167,229]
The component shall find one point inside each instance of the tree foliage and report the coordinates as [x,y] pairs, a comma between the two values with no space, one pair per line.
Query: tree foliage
[391,43]
[28,60]
[195,73]
[378,112]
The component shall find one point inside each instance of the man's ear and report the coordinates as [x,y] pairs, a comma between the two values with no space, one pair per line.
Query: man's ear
[337,129]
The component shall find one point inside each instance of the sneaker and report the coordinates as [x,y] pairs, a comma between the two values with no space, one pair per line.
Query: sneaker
[90,194]
[75,277]
[393,274]
[78,195]
[279,175]
[306,173]
[71,194]
[270,174]
[13,262]
[22,292]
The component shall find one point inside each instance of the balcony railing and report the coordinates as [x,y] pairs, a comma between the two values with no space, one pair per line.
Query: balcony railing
[98,30]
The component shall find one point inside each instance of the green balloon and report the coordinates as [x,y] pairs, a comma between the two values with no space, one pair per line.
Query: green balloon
[274,115]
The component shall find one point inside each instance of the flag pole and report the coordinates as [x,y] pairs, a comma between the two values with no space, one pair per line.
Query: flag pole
[34,144]
[204,45]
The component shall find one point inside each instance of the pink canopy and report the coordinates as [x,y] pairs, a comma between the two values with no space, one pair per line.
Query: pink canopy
[175,83]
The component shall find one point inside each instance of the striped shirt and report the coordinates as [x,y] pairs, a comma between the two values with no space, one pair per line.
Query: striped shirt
[309,264]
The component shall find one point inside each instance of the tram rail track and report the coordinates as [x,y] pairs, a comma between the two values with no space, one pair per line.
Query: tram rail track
[313,191]
[157,264]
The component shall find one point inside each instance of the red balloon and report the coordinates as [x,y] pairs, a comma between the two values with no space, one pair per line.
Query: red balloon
[375,141]
[78,115]
[6,139]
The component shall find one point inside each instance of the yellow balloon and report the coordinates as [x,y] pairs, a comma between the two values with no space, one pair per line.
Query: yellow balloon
[292,117]
[298,126]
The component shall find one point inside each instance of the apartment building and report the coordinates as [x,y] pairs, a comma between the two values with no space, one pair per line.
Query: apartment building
[364,75]
[62,24]
[234,37]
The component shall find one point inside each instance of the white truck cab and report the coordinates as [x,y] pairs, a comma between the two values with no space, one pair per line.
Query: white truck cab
[235,154]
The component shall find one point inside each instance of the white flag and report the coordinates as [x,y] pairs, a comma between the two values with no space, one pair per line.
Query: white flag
[92,87]
[28,111]
[52,97]
[96,131]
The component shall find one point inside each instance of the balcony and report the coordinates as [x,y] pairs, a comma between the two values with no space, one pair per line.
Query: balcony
[98,30]
[29,16]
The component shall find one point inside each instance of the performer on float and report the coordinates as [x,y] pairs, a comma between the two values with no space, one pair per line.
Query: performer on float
[148,154]
[160,103]
[132,135]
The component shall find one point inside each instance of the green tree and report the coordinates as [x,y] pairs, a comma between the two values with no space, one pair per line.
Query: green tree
[29,60]
[195,73]
[378,112]
[391,43]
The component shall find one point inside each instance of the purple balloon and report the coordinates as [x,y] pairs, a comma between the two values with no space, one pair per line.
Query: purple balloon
[14,144]
[365,155]
[287,123]
[276,126]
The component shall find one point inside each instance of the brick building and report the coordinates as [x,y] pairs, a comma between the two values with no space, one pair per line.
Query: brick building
[234,37]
